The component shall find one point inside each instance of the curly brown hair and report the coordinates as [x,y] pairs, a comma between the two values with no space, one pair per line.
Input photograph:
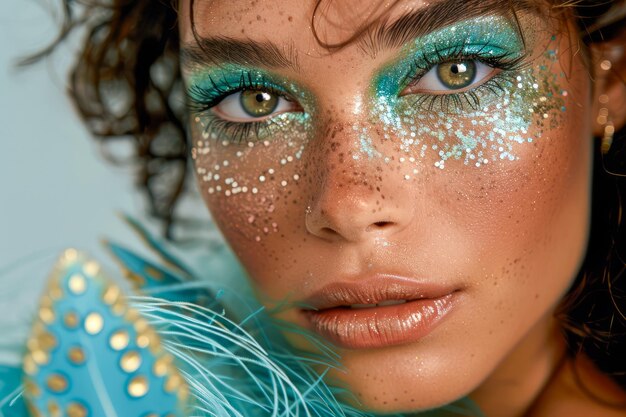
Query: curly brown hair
[126,84]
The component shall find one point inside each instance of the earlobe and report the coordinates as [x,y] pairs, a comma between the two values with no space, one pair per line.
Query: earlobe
[609,71]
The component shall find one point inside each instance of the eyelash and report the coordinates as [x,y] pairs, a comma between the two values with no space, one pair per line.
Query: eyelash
[509,64]
[201,99]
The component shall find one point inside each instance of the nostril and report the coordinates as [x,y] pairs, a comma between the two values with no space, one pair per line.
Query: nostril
[328,231]
[378,225]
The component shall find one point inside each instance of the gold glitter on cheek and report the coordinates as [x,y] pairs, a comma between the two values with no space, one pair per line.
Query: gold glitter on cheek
[247,184]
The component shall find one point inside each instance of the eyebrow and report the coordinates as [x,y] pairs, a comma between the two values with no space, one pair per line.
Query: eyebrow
[223,50]
[385,34]
[416,23]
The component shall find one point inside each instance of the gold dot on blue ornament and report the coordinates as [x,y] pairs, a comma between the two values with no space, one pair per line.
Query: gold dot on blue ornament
[70,319]
[173,383]
[130,361]
[70,255]
[76,355]
[91,268]
[46,341]
[77,284]
[138,387]
[75,409]
[57,383]
[111,295]
[40,357]
[30,367]
[46,314]
[31,388]
[53,409]
[161,365]
[93,323]
[119,340]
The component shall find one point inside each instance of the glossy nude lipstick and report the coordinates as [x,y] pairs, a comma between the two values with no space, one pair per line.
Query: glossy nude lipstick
[378,311]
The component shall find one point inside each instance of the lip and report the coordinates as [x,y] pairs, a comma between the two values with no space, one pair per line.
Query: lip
[329,312]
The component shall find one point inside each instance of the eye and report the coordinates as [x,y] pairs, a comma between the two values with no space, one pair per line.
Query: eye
[252,105]
[451,76]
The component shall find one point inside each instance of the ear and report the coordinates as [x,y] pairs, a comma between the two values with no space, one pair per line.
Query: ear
[608,66]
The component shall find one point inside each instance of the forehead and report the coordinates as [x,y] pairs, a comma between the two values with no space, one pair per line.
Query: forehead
[277,18]
[334,20]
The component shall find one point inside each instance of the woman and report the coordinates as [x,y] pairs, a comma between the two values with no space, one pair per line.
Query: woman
[411,181]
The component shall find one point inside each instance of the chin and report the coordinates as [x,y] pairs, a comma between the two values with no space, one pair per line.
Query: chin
[406,379]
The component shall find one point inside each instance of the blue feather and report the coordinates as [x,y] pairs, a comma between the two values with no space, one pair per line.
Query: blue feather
[156,245]
[11,401]
[150,278]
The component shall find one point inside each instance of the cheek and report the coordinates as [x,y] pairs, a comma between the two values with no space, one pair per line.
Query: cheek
[253,191]
[539,206]
[526,214]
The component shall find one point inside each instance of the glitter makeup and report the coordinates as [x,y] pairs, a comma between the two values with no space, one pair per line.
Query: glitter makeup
[207,88]
[408,116]
[255,158]
[475,125]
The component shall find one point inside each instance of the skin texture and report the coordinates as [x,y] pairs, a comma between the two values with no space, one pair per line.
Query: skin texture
[322,205]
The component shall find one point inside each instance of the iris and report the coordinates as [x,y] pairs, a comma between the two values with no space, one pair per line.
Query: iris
[258,103]
[457,75]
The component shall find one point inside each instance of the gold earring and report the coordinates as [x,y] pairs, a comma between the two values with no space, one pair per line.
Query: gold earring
[606,65]
[607,138]
[603,116]
[604,120]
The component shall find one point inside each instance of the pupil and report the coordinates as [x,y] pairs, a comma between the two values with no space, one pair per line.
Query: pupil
[261,97]
[458,68]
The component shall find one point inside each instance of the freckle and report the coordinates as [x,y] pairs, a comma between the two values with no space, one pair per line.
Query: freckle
[290,18]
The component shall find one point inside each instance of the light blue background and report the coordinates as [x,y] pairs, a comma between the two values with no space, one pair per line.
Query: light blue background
[56,188]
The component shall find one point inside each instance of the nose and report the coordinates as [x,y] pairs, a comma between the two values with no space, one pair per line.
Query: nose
[357,196]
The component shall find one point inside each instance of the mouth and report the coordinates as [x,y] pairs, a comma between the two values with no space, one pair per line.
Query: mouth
[381,304]
[378,311]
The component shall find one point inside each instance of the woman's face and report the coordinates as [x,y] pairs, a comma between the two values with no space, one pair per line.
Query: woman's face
[419,197]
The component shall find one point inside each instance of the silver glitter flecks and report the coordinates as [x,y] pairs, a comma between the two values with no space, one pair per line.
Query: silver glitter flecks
[516,113]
